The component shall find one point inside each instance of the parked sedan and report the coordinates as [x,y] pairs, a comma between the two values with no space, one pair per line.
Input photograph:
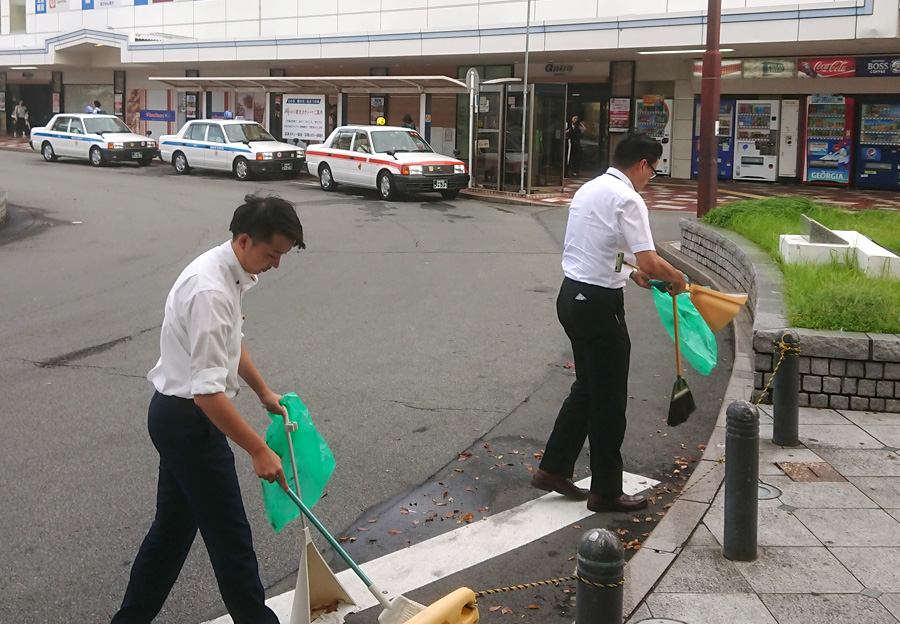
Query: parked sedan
[243,147]
[99,138]
[392,160]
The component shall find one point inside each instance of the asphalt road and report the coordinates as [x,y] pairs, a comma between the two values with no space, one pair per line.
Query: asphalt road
[414,330]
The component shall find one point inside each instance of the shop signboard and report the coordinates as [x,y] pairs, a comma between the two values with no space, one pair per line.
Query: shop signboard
[843,67]
[50,6]
[303,118]
[619,114]
[731,68]
[157,115]
[878,66]
[769,68]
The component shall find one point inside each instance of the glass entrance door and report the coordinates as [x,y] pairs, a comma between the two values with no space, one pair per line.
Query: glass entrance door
[488,138]
[548,113]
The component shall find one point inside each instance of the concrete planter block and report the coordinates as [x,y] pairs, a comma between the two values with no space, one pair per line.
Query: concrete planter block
[834,344]
[804,365]
[811,383]
[885,347]
[876,405]
[838,368]
[866,388]
[892,370]
[892,405]
[763,362]
[884,389]
[832,385]
[859,403]
[848,385]
[836,401]
[856,369]
[818,400]
[874,370]
[803,399]
[818,366]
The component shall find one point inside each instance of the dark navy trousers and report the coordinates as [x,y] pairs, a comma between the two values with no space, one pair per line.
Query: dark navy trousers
[198,489]
[594,320]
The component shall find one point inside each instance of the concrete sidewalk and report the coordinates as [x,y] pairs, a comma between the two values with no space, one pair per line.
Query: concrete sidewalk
[829,548]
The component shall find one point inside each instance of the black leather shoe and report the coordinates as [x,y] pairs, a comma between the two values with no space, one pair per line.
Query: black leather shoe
[625,502]
[543,480]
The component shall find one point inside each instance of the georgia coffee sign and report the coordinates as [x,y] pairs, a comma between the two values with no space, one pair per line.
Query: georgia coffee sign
[827,68]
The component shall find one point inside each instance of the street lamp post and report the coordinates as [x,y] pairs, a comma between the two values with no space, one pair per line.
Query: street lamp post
[710,91]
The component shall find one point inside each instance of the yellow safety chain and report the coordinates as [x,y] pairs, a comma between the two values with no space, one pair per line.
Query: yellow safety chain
[784,348]
[488,592]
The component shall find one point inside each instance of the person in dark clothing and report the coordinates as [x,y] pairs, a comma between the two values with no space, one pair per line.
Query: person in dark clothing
[192,416]
[408,122]
[607,217]
[574,131]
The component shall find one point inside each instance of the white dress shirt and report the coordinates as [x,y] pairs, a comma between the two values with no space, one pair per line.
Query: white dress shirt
[200,341]
[606,217]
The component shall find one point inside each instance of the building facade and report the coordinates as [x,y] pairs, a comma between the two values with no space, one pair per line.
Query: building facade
[791,65]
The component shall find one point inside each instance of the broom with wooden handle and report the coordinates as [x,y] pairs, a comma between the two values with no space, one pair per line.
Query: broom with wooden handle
[682,403]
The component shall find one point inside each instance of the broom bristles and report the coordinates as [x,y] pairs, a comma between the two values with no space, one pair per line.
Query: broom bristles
[682,404]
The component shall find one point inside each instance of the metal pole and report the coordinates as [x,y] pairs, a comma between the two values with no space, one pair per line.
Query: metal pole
[786,392]
[707,180]
[741,481]
[525,98]
[599,595]
[470,81]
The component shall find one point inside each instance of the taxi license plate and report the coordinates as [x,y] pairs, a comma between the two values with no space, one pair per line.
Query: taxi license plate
[439,184]
[286,167]
[136,155]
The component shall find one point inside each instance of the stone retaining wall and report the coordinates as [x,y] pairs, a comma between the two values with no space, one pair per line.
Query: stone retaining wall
[843,370]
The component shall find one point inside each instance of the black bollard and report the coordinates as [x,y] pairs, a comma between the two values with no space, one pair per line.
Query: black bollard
[601,574]
[786,393]
[741,481]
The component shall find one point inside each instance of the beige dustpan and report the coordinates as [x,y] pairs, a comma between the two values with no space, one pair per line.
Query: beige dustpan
[717,309]
[319,596]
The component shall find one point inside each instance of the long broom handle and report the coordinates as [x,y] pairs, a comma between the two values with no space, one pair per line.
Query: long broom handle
[677,340]
[334,544]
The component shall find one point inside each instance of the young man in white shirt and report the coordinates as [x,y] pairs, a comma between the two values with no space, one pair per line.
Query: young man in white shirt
[607,216]
[191,415]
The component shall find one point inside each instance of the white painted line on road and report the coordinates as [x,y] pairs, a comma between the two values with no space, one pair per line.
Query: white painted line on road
[411,568]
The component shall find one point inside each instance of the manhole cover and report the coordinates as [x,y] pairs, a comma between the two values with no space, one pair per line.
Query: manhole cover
[767,492]
[810,471]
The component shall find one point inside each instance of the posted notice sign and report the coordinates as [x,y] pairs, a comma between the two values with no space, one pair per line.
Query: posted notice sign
[304,118]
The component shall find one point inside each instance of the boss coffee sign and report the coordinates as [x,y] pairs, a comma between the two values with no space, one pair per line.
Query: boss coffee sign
[878,66]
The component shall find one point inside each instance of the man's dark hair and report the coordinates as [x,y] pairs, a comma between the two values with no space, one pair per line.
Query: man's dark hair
[263,217]
[97,103]
[635,147]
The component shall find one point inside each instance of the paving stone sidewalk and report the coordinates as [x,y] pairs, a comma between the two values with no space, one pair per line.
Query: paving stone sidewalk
[828,550]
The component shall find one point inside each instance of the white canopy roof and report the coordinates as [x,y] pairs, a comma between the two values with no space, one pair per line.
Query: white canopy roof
[321,84]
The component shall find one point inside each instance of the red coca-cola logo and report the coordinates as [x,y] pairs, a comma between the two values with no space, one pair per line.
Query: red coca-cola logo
[832,67]
[829,67]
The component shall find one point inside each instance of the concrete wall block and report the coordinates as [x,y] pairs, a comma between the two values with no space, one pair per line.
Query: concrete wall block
[837,401]
[818,400]
[892,370]
[834,344]
[892,406]
[885,347]
[763,362]
[812,383]
[803,399]
[876,405]
[819,366]
[832,385]
[859,403]
[874,370]
[856,369]
[848,385]
[838,368]
[758,381]
[884,389]
[804,365]
[764,340]
[866,388]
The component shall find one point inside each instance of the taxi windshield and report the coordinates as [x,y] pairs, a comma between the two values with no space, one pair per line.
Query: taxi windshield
[398,141]
[239,133]
[101,125]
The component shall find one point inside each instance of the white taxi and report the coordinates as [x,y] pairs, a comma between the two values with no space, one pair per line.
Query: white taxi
[390,159]
[97,137]
[243,147]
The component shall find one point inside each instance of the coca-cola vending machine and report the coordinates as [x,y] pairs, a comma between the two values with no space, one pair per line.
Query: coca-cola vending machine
[829,143]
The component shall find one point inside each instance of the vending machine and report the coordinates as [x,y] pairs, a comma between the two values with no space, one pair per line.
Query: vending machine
[756,140]
[653,116]
[725,140]
[829,131]
[879,146]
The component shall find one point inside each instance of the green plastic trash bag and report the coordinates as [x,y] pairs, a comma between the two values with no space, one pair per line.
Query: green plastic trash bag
[315,463]
[698,344]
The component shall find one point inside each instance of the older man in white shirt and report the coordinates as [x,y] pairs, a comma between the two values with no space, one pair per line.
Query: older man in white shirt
[191,415]
[607,217]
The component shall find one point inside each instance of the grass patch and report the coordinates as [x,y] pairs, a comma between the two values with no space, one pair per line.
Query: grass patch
[827,296]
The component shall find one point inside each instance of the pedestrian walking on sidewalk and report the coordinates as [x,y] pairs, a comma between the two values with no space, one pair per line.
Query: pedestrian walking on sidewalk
[607,216]
[20,117]
[191,417]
